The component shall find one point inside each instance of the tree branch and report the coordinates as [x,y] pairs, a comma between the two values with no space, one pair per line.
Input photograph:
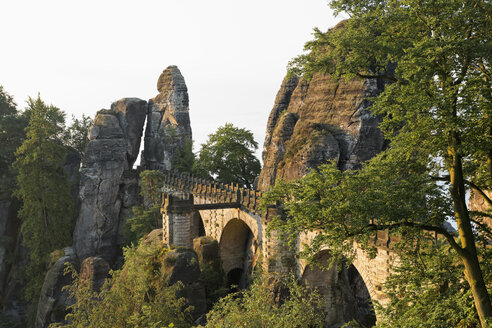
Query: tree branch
[483,226]
[470,183]
[383,77]
[449,237]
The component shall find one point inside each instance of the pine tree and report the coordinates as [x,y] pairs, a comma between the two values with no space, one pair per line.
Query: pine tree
[48,210]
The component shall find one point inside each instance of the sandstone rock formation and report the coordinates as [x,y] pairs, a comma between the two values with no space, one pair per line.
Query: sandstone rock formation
[318,121]
[168,121]
[94,269]
[311,123]
[181,265]
[53,301]
[108,188]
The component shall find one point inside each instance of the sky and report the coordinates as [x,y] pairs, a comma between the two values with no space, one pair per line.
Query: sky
[83,55]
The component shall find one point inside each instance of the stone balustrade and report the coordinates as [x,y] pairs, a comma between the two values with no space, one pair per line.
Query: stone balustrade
[212,191]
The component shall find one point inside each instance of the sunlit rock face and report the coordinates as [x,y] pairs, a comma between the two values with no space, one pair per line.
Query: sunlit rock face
[168,121]
[314,122]
[478,203]
[108,186]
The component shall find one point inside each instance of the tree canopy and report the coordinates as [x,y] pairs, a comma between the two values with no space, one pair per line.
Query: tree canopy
[75,135]
[47,210]
[228,155]
[437,114]
[12,134]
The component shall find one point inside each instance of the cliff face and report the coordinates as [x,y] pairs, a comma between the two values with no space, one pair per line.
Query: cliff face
[168,121]
[318,121]
[104,186]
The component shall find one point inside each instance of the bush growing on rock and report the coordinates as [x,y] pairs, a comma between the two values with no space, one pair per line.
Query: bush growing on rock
[264,305]
[135,296]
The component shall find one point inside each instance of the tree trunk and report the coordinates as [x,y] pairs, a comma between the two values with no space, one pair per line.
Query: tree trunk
[473,273]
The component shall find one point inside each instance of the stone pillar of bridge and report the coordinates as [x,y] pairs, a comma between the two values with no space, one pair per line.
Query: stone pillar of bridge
[177,220]
[279,258]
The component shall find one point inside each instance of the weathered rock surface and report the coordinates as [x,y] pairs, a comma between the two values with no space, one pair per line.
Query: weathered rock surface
[318,121]
[168,121]
[94,269]
[53,301]
[107,185]
[181,265]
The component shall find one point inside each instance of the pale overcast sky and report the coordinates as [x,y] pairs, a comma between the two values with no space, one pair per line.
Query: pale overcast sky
[83,55]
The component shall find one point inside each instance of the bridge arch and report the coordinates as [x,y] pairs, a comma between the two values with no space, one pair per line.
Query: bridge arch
[238,249]
[346,295]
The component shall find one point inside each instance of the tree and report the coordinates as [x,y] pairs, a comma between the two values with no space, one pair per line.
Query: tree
[12,124]
[436,112]
[47,211]
[229,156]
[75,135]
[427,289]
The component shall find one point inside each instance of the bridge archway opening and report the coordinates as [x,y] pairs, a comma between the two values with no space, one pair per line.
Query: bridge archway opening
[238,250]
[345,294]
[198,226]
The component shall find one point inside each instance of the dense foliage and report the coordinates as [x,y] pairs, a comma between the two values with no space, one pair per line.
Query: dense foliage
[427,289]
[75,135]
[47,210]
[12,134]
[135,296]
[228,156]
[262,306]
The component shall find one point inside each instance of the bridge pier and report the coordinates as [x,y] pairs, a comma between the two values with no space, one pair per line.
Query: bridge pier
[177,220]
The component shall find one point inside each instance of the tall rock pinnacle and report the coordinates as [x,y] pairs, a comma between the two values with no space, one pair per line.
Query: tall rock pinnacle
[168,121]
[106,167]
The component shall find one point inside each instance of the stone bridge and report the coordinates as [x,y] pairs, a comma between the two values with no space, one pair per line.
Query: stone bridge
[193,207]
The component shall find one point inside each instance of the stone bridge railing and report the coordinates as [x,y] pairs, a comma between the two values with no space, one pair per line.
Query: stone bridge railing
[212,192]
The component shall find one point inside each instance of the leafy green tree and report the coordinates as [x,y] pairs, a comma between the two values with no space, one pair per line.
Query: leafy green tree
[147,215]
[427,289]
[12,124]
[75,135]
[47,211]
[436,112]
[135,296]
[229,156]
[262,306]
